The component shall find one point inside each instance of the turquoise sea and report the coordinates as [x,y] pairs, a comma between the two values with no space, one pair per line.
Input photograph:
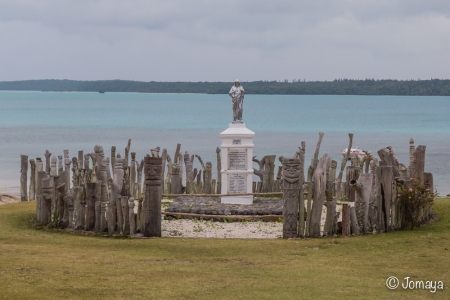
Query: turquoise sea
[32,122]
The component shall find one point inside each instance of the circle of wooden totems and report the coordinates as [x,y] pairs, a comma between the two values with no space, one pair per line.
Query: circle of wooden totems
[152,201]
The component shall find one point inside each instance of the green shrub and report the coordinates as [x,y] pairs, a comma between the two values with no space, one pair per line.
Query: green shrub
[414,203]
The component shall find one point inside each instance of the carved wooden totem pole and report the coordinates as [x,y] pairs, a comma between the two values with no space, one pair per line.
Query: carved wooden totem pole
[93,195]
[152,202]
[190,180]
[219,174]
[133,174]
[291,188]
[23,177]
[32,191]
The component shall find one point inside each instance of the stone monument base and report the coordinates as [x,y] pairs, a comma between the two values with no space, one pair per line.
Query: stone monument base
[236,170]
[237,199]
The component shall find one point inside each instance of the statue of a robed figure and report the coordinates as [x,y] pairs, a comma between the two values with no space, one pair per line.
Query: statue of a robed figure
[237,98]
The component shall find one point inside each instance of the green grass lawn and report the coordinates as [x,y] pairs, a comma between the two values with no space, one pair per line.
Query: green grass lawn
[38,264]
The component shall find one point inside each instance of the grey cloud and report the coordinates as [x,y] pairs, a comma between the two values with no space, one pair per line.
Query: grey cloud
[214,40]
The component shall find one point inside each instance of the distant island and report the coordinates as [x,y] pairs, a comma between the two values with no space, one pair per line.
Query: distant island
[432,87]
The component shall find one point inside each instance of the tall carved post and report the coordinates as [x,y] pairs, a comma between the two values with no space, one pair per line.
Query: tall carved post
[301,211]
[39,167]
[199,186]
[219,174]
[207,178]
[118,183]
[80,159]
[363,187]
[419,163]
[291,187]
[41,212]
[175,179]
[69,198]
[67,163]
[308,209]
[320,181]
[152,203]
[102,177]
[303,187]
[207,175]
[386,177]
[103,221]
[63,212]
[47,161]
[60,165]
[86,161]
[189,163]
[53,168]
[168,180]
[164,159]
[23,177]
[265,172]
[125,214]
[345,220]
[32,191]
[139,196]
[108,169]
[412,148]
[113,159]
[55,198]
[61,188]
[133,173]
[127,151]
[367,160]
[270,164]
[353,173]
[93,195]
[47,195]
[131,216]
[331,209]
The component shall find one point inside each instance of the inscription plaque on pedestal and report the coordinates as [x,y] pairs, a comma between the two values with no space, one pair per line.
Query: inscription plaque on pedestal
[237,183]
[237,159]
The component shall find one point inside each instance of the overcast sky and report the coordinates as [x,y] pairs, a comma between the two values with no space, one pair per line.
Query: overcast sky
[194,40]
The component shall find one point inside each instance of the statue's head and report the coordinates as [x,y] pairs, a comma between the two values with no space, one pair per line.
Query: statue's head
[237,83]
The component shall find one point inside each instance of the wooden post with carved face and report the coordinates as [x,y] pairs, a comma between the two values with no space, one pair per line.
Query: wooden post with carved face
[291,187]
[152,202]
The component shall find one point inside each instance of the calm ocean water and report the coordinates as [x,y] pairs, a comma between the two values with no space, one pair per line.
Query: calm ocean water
[32,122]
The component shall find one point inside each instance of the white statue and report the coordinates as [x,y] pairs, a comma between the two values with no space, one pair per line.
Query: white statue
[237,98]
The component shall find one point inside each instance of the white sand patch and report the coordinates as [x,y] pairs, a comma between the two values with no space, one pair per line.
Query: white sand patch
[209,229]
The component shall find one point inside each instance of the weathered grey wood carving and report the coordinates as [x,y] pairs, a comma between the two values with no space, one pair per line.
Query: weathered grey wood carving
[131,216]
[219,174]
[152,203]
[155,151]
[93,192]
[175,179]
[291,188]
[32,190]
[23,177]
[133,174]
[320,180]
[190,179]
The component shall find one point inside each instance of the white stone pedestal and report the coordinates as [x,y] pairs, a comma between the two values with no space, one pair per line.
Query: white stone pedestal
[237,169]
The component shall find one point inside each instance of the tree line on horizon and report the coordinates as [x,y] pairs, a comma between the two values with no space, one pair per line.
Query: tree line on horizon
[432,87]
